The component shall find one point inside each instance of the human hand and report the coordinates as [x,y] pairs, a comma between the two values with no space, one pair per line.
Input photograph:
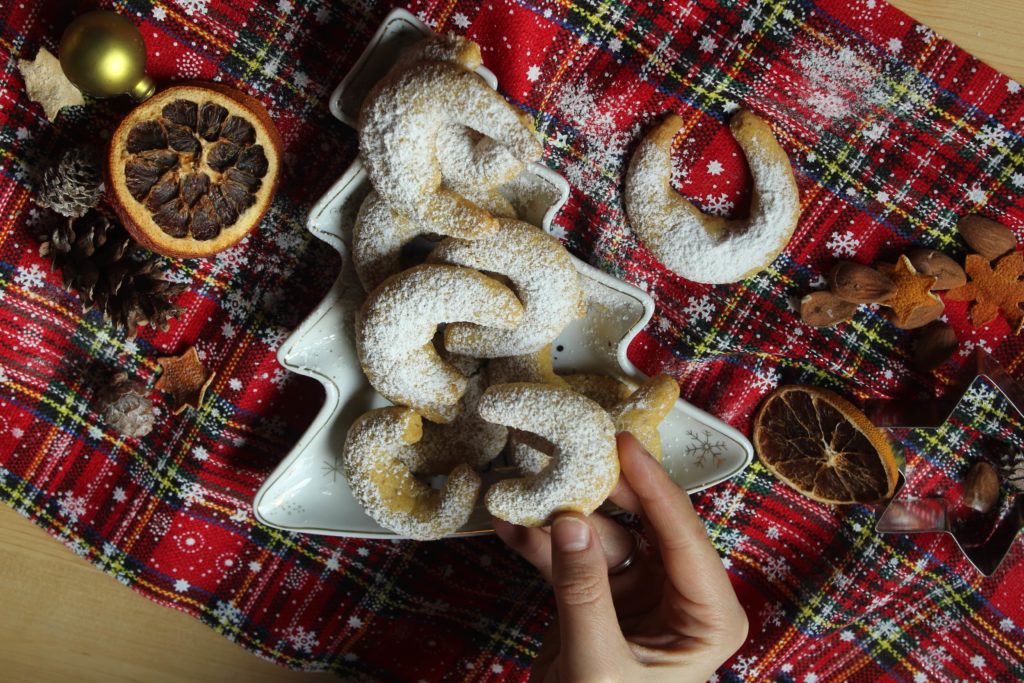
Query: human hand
[671,616]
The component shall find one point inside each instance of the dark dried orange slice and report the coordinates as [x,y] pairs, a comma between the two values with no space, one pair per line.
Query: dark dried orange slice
[824,447]
[193,169]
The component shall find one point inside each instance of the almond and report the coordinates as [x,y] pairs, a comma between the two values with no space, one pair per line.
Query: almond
[981,487]
[947,273]
[986,237]
[824,309]
[860,284]
[935,344]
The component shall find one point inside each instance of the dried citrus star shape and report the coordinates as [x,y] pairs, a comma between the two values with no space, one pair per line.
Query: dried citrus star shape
[992,291]
[913,304]
[185,378]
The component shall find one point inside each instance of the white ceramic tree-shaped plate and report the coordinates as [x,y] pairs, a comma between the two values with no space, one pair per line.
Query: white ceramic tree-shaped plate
[308,492]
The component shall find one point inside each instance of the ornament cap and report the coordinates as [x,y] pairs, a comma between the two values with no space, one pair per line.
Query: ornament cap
[143,90]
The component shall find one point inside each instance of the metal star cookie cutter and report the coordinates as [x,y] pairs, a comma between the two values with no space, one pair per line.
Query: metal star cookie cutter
[984,540]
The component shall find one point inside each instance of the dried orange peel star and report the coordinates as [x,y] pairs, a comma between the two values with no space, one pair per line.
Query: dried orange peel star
[185,378]
[992,291]
[913,305]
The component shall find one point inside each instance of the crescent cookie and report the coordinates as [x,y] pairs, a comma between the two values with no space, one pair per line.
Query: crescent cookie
[644,409]
[400,121]
[396,325]
[535,368]
[475,166]
[442,48]
[585,464]
[468,439]
[606,391]
[543,276]
[637,412]
[705,248]
[388,491]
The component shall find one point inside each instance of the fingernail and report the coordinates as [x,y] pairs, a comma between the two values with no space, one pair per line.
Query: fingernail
[570,534]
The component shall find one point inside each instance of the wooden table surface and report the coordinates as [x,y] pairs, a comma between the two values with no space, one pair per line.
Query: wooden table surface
[61,619]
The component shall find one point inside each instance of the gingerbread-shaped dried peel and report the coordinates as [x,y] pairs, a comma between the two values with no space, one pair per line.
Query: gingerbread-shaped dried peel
[913,304]
[992,291]
[702,247]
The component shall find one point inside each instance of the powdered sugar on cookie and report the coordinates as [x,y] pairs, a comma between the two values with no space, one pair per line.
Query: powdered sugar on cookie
[388,492]
[400,120]
[585,463]
[396,326]
[702,247]
[542,275]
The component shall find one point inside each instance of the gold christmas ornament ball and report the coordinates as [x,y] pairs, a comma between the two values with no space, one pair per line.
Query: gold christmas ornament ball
[102,53]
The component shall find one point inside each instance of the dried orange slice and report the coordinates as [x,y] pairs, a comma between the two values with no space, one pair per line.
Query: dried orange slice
[824,447]
[192,170]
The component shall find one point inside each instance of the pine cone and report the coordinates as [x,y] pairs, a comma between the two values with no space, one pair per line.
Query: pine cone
[73,186]
[123,405]
[99,260]
[1009,462]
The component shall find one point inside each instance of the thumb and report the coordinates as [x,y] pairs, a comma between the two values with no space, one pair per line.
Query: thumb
[592,642]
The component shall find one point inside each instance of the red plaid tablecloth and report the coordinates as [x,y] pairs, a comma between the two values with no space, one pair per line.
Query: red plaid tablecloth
[893,132]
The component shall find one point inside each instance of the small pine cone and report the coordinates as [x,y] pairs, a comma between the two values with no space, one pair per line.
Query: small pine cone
[73,186]
[1009,463]
[124,406]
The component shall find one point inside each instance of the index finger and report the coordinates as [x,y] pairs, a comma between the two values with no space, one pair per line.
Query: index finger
[691,563]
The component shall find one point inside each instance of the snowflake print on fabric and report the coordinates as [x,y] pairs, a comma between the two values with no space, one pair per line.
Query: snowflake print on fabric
[301,639]
[533,73]
[715,167]
[772,613]
[227,614]
[993,135]
[764,382]
[31,277]
[743,665]
[718,205]
[460,20]
[191,7]
[707,44]
[71,506]
[980,395]
[700,308]
[843,244]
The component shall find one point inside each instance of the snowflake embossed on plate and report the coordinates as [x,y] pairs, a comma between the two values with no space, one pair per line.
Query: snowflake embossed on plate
[703,448]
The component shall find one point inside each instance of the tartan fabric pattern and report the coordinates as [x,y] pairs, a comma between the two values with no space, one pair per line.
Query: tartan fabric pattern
[893,133]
